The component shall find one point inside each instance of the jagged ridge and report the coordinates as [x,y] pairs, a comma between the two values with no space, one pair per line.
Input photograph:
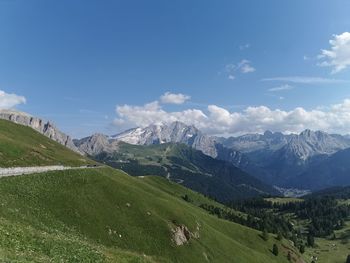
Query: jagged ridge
[46,128]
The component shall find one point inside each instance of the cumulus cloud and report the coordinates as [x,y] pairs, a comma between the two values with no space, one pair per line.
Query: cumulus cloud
[281,88]
[8,101]
[153,113]
[220,121]
[244,66]
[306,80]
[172,98]
[338,56]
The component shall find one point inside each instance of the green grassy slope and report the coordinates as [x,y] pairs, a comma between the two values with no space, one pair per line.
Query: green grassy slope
[103,215]
[22,146]
[193,169]
[329,249]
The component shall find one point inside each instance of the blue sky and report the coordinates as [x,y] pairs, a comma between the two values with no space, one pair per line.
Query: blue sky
[75,61]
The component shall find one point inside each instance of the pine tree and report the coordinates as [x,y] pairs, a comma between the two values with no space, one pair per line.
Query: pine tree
[279,236]
[186,198]
[275,249]
[265,235]
[334,236]
[310,241]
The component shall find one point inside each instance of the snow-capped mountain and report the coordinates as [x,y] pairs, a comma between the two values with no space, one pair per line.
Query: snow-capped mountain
[176,132]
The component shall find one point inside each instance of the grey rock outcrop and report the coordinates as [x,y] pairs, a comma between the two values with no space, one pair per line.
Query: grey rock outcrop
[46,128]
[182,235]
[96,144]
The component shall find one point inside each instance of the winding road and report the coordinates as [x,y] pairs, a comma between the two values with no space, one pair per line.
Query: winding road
[15,171]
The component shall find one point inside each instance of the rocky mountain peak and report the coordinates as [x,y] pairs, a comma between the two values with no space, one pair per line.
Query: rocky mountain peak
[268,133]
[306,133]
[96,144]
[175,132]
[46,128]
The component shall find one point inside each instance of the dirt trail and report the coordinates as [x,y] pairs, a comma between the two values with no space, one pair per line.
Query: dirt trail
[15,171]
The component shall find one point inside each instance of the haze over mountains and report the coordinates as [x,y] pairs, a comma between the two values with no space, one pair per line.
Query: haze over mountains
[286,157]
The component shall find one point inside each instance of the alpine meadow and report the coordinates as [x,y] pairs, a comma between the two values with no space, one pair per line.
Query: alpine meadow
[174,131]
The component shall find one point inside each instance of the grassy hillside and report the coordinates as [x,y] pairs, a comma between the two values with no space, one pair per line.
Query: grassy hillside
[22,146]
[103,215]
[193,169]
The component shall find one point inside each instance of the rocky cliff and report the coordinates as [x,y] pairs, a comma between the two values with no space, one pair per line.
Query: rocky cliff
[46,128]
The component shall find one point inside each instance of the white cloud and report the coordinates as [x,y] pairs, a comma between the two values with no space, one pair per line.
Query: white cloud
[338,56]
[153,113]
[307,80]
[244,66]
[8,101]
[220,121]
[281,88]
[172,98]
[245,46]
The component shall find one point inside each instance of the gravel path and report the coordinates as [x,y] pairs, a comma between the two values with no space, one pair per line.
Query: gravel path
[14,171]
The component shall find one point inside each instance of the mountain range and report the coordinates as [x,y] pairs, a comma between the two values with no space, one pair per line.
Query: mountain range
[309,160]
[274,158]
[286,157]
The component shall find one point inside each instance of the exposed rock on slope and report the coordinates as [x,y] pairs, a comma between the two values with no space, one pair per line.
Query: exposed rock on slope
[181,235]
[46,128]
